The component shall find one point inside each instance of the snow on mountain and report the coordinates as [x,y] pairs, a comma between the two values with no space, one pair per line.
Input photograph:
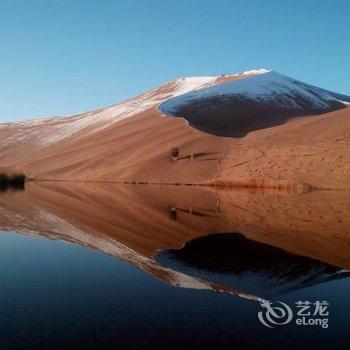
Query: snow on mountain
[50,130]
[259,86]
[251,72]
[260,100]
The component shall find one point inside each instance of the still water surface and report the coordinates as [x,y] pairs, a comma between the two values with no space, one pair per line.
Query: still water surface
[97,293]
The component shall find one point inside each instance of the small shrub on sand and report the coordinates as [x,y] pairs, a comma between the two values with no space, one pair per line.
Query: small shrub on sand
[12,181]
[174,153]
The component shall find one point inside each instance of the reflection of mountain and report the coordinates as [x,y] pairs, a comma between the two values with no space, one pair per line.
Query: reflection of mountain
[233,260]
[133,222]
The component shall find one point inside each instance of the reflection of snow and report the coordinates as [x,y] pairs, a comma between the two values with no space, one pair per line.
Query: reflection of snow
[48,225]
[112,247]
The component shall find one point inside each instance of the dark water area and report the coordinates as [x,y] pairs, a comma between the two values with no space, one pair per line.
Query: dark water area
[103,267]
[233,260]
[58,295]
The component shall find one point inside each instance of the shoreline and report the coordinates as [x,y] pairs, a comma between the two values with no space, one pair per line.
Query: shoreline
[249,184]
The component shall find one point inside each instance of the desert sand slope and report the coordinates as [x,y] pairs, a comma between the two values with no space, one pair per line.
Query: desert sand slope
[132,141]
[308,150]
[135,149]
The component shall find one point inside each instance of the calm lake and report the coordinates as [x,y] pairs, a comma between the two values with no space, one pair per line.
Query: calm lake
[107,266]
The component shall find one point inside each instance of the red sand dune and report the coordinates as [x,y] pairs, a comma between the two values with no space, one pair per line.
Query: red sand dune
[131,142]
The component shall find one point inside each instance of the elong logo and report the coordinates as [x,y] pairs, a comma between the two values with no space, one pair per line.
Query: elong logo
[309,313]
[274,315]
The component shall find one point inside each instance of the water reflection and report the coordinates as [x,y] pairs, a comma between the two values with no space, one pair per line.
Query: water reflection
[291,239]
[232,259]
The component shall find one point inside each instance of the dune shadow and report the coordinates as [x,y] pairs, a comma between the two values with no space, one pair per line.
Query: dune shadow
[236,116]
[235,108]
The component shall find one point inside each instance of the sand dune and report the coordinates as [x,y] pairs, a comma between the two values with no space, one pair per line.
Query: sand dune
[131,142]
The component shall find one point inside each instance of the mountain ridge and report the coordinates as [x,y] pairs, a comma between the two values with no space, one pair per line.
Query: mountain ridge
[131,142]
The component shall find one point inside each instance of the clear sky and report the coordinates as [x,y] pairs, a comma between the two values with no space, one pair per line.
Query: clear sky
[61,57]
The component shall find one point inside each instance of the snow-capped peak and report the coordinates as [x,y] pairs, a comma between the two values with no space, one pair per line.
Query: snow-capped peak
[187,84]
[248,73]
[255,71]
[251,100]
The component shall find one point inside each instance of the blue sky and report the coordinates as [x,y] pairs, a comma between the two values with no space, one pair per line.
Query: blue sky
[63,57]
